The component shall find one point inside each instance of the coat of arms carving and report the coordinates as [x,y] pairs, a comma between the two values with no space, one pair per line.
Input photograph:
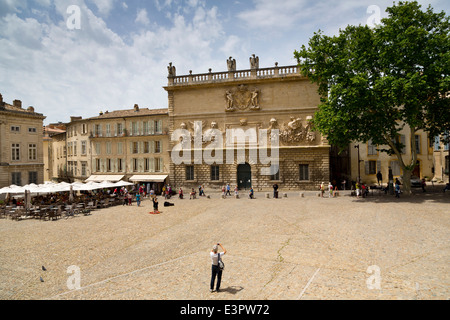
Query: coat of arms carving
[242,98]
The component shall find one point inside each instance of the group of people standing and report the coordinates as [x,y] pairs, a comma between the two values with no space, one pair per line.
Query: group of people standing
[332,191]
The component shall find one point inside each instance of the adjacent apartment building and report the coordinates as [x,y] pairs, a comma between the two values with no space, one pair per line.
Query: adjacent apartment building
[372,160]
[21,145]
[129,145]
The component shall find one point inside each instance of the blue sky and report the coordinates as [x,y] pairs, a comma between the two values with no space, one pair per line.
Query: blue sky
[119,55]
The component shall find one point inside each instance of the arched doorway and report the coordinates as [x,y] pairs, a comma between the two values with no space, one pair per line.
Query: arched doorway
[244,176]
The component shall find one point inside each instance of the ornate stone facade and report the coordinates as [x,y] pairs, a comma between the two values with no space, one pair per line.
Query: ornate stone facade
[277,102]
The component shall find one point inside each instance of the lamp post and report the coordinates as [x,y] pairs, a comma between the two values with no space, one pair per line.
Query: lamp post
[359,167]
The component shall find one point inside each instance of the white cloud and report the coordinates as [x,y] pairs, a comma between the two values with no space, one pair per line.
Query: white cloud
[142,17]
[104,6]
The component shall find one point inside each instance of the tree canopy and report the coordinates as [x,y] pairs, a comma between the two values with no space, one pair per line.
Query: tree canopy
[374,82]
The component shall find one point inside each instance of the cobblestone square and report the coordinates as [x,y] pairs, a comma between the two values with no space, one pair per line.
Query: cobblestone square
[278,249]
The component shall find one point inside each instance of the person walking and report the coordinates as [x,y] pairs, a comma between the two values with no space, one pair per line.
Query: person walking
[357,187]
[228,190]
[379,177]
[397,189]
[215,269]
[138,199]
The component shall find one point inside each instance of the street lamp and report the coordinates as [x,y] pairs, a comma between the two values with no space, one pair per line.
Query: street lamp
[359,167]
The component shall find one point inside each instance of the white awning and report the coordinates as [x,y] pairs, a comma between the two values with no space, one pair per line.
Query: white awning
[101,178]
[148,178]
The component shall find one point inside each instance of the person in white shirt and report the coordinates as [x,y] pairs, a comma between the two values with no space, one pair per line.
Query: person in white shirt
[215,270]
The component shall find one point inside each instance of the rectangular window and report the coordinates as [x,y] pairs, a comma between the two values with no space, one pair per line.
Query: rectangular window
[189,173]
[97,165]
[157,146]
[417,141]
[32,130]
[371,167]
[158,126]
[84,128]
[146,147]
[135,165]
[108,130]
[119,129]
[371,149]
[15,154]
[16,178]
[32,177]
[97,148]
[75,148]
[135,147]
[158,165]
[119,148]
[108,148]
[134,128]
[146,164]
[83,168]
[98,130]
[215,173]
[32,152]
[304,172]
[15,129]
[108,165]
[83,148]
[120,165]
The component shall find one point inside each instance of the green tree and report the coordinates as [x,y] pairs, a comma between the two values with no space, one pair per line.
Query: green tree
[375,82]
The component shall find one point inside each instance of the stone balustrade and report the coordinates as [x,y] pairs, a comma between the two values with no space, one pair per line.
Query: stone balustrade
[213,77]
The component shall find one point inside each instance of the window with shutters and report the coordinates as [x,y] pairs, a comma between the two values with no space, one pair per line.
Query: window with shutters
[371,167]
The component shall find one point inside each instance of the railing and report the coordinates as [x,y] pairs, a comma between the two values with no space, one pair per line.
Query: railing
[212,77]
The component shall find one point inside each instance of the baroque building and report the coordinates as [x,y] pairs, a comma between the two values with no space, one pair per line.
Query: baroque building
[21,145]
[247,127]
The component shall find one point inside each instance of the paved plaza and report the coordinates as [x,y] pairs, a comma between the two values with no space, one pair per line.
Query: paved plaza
[278,249]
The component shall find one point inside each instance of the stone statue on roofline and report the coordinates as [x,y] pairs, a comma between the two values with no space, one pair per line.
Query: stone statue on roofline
[254,62]
[172,70]
[231,64]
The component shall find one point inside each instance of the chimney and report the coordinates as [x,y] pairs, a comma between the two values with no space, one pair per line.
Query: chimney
[100,113]
[17,104]
[136,107]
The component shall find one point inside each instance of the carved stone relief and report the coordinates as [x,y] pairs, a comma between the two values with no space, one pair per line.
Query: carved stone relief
[294,132]
[242,98]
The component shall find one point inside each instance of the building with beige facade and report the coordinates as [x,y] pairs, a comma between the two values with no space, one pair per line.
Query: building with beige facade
[268,110]
[21,145]
[372,160]
[441,155]
[130,145]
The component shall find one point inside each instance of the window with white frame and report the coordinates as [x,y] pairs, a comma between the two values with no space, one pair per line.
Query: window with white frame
[15,152]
